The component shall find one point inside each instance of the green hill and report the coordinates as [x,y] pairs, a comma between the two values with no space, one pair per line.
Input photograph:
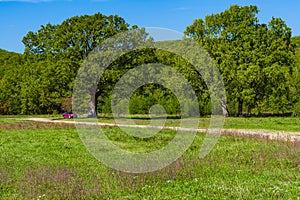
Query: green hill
[7,59]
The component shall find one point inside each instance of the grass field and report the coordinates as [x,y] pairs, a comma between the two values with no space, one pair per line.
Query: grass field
[49,161]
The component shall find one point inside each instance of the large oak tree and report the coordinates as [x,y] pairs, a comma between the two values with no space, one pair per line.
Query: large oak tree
[255,59]
[54,54]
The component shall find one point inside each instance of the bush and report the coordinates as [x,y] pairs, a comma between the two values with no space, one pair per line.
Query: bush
[296,110]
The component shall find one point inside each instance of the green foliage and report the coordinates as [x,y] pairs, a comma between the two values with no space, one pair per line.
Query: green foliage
[66,104]
[151,94]
[295,87]
[255,59]
[41,80]
[76,36]
[7,60]
[10,77]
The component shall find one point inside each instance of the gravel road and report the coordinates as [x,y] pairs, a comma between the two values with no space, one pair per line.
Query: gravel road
[263,134]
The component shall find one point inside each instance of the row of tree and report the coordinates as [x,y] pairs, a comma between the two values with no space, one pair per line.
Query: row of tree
[257,62]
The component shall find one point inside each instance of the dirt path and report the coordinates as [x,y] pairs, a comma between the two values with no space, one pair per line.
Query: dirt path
[263,134]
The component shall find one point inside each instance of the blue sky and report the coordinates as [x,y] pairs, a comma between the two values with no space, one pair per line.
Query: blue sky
[21,16]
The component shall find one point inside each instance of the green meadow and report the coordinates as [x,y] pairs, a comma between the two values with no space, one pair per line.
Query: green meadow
[49,161]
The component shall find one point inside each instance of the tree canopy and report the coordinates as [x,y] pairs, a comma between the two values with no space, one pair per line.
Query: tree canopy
[44,79]
[255,59]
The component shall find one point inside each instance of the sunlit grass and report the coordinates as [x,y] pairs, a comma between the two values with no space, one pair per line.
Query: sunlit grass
[50,161]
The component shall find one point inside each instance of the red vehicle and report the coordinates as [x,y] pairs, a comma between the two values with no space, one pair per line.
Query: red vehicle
[69,115]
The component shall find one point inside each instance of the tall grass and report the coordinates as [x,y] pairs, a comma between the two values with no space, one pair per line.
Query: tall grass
[49,161]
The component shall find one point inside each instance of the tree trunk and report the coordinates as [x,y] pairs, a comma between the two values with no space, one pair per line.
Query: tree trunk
[92,108]
[98,92]
[240,108]
[224,108]
[93,105]
[249,111]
